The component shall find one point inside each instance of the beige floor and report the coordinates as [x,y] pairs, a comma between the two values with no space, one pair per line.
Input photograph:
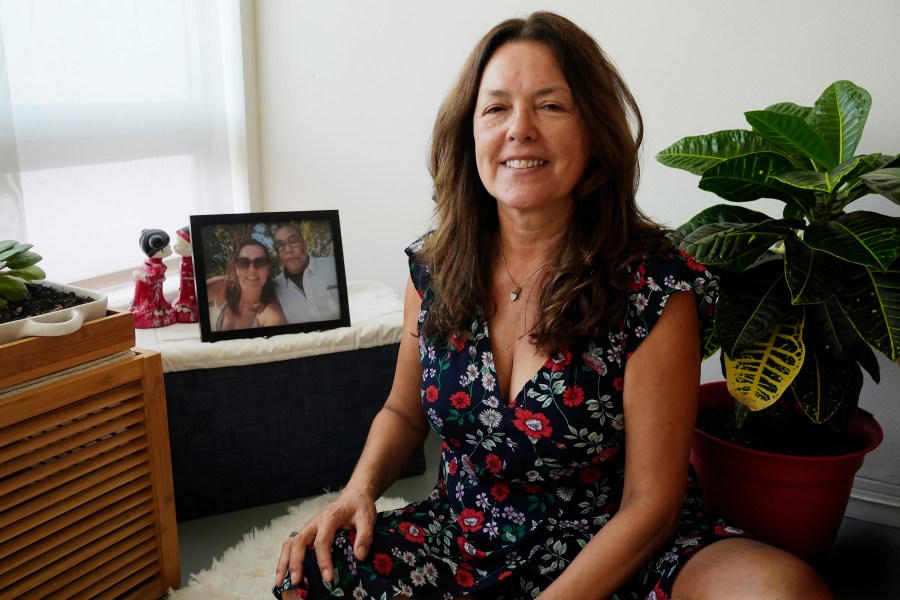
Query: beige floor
[864,563]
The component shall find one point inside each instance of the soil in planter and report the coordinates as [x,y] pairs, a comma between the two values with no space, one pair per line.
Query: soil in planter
[43,300]
[793,434]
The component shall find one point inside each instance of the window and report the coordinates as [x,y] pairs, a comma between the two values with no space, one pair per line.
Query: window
[128,114]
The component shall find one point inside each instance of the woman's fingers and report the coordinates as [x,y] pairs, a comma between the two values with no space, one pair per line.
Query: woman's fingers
[365,523]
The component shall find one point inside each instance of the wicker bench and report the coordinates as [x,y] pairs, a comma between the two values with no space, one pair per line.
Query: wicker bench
[258,421]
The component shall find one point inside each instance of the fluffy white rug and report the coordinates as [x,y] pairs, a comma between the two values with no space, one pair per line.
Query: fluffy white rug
[247,570]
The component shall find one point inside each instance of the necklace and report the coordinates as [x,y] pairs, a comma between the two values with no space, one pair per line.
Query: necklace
[514,294]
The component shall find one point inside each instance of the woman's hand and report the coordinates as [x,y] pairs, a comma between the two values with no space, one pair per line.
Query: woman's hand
[352,511]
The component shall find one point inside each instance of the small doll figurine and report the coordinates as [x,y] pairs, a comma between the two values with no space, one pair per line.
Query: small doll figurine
[185,306]
[149,306]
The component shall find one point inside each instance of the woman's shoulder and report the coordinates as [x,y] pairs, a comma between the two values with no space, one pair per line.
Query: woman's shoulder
[668,265]
[418,268]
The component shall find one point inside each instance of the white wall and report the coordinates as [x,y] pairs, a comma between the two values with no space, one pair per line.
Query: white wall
[348,91]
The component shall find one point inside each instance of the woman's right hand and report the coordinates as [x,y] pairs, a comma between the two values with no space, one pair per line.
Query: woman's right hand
[351,511]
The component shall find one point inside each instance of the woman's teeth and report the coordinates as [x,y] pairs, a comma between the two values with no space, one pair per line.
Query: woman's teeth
[524,164]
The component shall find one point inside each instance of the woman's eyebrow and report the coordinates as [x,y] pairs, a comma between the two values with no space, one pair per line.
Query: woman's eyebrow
[500,93]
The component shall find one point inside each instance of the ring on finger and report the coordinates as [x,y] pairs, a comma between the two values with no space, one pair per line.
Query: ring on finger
[294,534]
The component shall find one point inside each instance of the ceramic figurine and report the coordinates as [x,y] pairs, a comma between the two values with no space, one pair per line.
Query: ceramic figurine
[185,306]
[149,306]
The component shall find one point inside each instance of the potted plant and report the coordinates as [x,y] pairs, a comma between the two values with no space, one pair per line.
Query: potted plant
[30,306]
[805,296]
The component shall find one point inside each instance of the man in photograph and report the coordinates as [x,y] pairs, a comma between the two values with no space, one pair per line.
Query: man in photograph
[307,287]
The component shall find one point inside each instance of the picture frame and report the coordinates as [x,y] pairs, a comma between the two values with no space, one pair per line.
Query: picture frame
[265,274]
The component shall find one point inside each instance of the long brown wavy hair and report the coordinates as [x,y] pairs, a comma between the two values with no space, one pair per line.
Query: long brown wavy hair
[587,289]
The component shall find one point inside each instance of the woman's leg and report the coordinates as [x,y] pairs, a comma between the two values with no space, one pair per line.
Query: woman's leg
[747,569]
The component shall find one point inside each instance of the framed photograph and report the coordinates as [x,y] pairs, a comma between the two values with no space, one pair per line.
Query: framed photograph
[264,274]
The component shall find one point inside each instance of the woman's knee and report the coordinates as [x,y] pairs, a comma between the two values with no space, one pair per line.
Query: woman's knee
[745,568]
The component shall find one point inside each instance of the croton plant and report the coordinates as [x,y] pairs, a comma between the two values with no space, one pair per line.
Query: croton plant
[806,296]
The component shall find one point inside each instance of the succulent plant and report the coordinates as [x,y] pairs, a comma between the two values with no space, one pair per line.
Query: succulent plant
[17,265]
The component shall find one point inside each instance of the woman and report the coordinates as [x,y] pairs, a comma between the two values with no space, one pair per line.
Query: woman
[246,297]
[553,341]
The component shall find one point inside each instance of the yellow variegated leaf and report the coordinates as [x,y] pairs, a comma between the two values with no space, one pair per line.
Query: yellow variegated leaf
[761,374]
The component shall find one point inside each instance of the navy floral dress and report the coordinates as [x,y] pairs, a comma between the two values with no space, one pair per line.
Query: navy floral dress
[523,485]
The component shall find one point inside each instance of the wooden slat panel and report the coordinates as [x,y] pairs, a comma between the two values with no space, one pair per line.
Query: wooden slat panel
[24,548]
[132,465]
[104,533]
[27,437]
[103,527]
[143,585]
[130,569]
[108,490]
[57,393]
[28,485]
[140,543]
[74,443]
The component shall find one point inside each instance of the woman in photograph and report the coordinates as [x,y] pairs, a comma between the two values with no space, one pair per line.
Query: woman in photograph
[552,339]
[245,298]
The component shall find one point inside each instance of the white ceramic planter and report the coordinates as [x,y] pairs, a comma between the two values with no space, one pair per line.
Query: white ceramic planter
[58,322]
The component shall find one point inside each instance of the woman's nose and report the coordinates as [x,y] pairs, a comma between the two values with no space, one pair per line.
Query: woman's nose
[523,126]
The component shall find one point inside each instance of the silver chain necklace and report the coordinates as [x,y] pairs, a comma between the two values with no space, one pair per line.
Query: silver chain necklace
[514,294]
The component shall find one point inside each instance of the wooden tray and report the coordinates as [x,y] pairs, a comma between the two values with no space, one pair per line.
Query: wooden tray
[33,357]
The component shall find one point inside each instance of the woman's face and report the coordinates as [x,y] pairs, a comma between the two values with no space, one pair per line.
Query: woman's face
[252,267]
[531,144]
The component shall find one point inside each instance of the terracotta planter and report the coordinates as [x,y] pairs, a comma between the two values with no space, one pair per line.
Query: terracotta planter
[793,502]
[58,322]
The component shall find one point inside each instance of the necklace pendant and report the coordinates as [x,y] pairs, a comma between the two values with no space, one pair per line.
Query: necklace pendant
[514,295]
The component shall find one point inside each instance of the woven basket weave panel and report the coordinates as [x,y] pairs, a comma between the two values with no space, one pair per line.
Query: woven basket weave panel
[252,435]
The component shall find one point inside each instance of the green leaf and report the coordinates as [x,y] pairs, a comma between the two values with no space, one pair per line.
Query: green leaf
[23,259]
[761,374]
[840,115]
[750,177]
[885,182]
[6,245]
[789,108]
[696,154]
[871,300]
[12,289]
[720,213]
[13,250]
[828,328]
[735,246]
[861,237]
[794,133]
[828,181]
[28,273]
[812,276]
[824,384]
[751,304]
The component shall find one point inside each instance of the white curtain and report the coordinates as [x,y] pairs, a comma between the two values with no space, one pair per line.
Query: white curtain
[124,114]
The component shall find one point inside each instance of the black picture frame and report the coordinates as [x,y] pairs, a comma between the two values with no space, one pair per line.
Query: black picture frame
[219,242]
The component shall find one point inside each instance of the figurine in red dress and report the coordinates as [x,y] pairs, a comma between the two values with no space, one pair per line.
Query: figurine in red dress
[185,306]
[149,306]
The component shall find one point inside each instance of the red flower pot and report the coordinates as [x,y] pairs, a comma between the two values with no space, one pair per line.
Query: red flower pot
[796,503]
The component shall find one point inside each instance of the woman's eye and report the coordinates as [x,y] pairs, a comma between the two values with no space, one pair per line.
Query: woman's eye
[551,106]
[490,110]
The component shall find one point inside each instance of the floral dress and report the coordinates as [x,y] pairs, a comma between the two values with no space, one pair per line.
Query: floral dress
[523,486]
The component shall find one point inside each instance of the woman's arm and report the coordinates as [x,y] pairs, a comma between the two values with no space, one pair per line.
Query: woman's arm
[398,430]
[215,290]
[660,399]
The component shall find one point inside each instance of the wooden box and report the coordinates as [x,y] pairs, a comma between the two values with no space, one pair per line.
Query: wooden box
[31,358]
[86,497]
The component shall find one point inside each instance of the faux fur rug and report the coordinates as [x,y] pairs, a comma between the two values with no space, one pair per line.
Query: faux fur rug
[247,570]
